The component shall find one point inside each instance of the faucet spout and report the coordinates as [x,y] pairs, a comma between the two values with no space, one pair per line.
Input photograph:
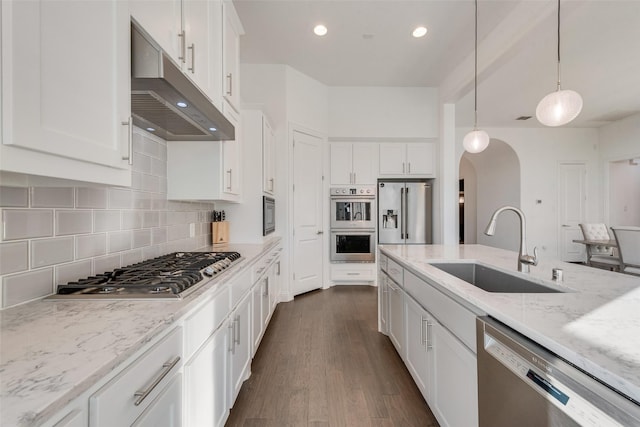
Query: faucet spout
[524,260]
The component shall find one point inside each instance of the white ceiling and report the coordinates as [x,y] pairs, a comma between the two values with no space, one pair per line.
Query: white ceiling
[369,44]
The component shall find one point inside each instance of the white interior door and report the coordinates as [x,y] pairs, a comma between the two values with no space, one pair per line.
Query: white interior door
[571,209]
[307,213]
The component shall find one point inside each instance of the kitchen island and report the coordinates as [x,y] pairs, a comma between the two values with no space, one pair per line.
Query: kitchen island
[594,323]
[53,352]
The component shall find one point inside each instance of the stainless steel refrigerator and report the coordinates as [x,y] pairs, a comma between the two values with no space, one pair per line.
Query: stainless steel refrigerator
[405,212]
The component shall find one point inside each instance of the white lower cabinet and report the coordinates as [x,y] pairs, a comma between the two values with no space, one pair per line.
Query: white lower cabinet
[166,409]
[123,400]
[455,379]
[75,418]
[418,345]
[205,378]
[239,347]
[396,317]
[257,295]
[383,303]
[438,358]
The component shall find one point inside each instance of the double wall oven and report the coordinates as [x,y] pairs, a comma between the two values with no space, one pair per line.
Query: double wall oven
[353,219]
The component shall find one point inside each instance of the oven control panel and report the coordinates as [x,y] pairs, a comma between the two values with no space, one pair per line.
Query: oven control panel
[353,191]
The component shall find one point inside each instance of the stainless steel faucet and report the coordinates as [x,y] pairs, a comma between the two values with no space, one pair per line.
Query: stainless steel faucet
[524,260]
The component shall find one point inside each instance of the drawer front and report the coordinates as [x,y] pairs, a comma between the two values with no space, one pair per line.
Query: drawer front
[456,318]
[239,286]
[204,321]
[395,271]
[114,404]
[353,273]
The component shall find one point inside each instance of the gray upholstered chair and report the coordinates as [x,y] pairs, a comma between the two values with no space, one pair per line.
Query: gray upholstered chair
[628,240]
[601,256]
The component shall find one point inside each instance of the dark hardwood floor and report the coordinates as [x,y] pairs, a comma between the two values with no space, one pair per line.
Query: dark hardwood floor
[322,362]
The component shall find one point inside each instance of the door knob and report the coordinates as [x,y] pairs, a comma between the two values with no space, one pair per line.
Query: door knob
[319,232]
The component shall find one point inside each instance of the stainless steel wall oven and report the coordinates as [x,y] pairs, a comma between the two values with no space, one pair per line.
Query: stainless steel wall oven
[353,222]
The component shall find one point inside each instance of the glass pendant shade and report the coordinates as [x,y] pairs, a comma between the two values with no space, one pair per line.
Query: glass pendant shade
[559,108]
[475,141]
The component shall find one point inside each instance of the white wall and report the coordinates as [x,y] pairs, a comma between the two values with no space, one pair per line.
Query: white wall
[621,139]
[307,102]
[539,151]
[383,112]
[624,194]
[468,173]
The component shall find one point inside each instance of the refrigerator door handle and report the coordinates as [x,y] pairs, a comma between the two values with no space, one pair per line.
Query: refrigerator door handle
[402,213]
[405,213]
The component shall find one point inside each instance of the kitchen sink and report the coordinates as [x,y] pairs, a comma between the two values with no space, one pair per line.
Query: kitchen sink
[492,280]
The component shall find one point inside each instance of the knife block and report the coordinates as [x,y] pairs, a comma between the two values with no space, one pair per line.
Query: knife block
[220,232]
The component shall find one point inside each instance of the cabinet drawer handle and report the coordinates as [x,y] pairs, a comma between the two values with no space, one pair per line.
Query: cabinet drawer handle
[129,155]
[230,172]
[278,270]
[353,274]
[271,185]
[237,339]
[429,338]
[193,58]
[166,368]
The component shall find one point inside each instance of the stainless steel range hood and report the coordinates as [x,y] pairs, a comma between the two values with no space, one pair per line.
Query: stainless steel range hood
[158,86]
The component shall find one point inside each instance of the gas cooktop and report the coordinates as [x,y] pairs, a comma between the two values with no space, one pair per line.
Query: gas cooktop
[167,276]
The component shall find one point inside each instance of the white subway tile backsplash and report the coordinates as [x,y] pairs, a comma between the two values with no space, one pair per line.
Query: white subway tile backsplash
[51,197]
[23,287]
[27,224]
[141,238]
[158,167]
[119,241]
[66,273]
[106,263]
[177,232]
[120,198]
[91,245]
[73,222]
[150,219]
[91,198]
[14,257]
[159,235]
[141,163]
[141,200]
[14,197]
[45,252]
[131,220]
[131,257]
[106,221]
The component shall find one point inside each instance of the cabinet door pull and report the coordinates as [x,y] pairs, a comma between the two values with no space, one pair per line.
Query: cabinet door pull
[182,56]
[402,167]
[271,184]
[278,270]
[409,167]
[355,179]
[230,80]
[423,330]
[265,293]
[129,156]
[230,172]
[232,327]
[429,337]
[237,321]
[166,368]
[193,58]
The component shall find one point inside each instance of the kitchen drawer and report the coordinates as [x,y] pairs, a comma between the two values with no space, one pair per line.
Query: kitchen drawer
[395,271]
[205,320]
[114,404]
[239,286]
[353,272]
[453,316]
[260,267]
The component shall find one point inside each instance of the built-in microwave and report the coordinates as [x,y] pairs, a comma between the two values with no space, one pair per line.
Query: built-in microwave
[268,215]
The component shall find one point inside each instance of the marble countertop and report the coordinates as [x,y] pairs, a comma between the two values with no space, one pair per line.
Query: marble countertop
[52,351]
[595,325]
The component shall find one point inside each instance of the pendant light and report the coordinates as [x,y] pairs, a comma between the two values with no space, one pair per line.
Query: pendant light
[562,106]
[476,140]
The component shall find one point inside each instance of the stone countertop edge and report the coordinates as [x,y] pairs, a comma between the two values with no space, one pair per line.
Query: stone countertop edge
[576,325]
[53,351]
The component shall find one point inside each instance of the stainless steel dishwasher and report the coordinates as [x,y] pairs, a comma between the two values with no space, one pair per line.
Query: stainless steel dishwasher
[522,384]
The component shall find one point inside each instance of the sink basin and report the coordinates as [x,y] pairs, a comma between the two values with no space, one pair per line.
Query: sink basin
[492,280]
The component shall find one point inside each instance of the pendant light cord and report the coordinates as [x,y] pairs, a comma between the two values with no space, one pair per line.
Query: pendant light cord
[475,79]
[558,44]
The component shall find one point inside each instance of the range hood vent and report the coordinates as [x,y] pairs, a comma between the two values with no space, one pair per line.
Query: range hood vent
[158,87]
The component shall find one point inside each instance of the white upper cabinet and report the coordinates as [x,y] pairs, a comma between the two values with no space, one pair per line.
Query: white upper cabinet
[268,158]
[206,170]
[232,30]
[190,32]
[66,90]
[353,163]
[416,159]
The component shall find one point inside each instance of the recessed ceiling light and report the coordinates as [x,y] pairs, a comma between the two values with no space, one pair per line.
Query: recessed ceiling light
[151,129]
[320,30]
[181,104]
[212,129]
[419,32]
